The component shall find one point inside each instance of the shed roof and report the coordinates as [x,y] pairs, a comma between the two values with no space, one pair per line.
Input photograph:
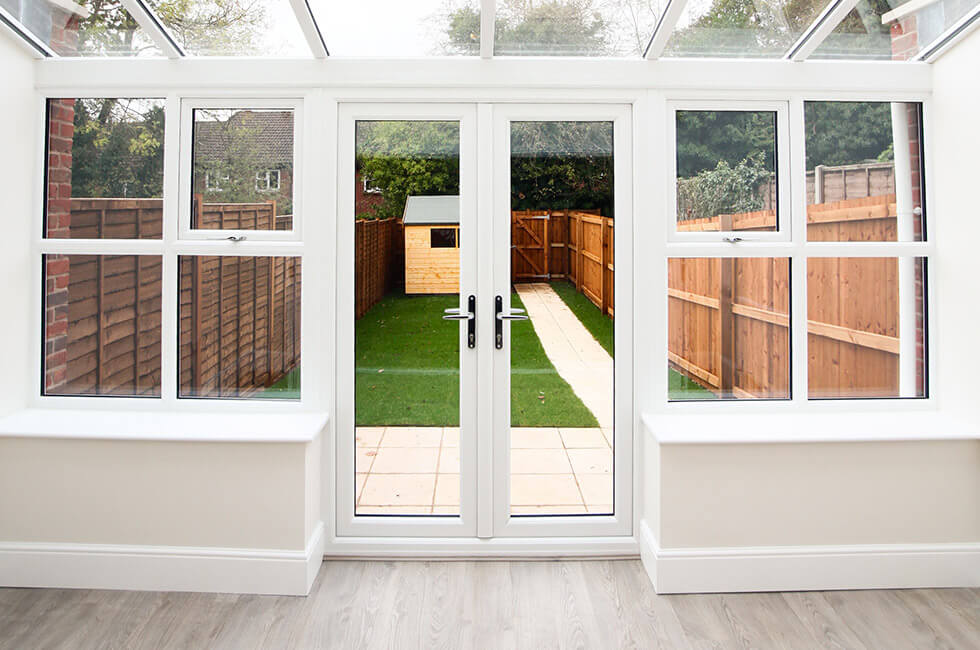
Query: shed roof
[431,210]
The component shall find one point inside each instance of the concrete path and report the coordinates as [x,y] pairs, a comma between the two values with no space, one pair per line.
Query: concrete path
[577,356]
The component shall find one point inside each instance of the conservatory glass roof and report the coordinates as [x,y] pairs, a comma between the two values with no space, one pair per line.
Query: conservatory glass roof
[654,29]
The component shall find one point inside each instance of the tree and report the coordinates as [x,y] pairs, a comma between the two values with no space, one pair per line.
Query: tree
[117,148]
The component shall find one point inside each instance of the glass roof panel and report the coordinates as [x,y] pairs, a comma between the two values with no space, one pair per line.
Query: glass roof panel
[881,29]
[594,28]
[83,27]
[399,28]
[233,27]
[741,28]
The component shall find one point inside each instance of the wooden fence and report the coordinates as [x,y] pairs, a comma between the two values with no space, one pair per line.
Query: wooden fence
[238,316]
[379,260]
[729,318]
[574,245]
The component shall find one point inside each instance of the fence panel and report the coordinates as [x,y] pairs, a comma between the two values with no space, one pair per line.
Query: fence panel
[115,308]
[379,261]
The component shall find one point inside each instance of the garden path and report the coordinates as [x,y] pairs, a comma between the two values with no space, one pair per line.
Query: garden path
[574,352]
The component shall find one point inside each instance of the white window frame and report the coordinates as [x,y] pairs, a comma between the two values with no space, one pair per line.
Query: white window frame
[368,188]
[187,107]
[265,178]
[170,248]
[798,250]
[782,133]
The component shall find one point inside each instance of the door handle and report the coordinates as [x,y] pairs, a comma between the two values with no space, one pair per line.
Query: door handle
[500,316]
[454,313]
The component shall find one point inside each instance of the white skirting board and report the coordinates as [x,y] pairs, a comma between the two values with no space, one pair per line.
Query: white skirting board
[808,568]
[162,568]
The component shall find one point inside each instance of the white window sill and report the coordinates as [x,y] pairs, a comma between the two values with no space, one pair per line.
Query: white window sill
[163,426]
[747,428]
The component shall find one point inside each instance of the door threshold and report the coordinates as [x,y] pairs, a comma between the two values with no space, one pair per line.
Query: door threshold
[471,548]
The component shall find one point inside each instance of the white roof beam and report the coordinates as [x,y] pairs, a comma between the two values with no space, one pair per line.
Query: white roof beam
[23,36]
[665,27]
[307,23]
[488,22]
[820,29]
[957,32]
[154,27]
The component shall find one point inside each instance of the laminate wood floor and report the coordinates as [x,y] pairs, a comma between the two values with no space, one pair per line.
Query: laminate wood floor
[489,605]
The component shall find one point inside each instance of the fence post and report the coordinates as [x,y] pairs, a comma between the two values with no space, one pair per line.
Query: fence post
[603,299]
[726,319]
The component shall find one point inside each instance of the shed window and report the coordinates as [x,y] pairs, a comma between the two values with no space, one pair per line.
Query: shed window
[443,238]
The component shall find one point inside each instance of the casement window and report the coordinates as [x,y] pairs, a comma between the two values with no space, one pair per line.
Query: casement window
[267,181]
[127,312]
[252,144]
[812,297]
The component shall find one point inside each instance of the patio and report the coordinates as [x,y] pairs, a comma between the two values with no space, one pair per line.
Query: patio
[415,470]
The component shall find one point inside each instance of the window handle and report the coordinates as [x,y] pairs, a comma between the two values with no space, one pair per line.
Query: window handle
[235,238]
[732,240]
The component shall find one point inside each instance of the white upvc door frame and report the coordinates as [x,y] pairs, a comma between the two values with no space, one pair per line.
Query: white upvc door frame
[349,524]
[621,522]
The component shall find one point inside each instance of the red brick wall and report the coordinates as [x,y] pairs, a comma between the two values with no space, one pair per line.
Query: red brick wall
[61,116]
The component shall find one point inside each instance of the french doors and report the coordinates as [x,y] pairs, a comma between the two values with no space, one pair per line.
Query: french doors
[483,257]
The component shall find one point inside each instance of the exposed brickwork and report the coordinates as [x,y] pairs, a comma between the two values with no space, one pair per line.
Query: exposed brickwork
[61,116]
[905,38]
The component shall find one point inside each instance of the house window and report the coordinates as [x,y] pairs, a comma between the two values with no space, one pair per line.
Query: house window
[215,181]
[442,238]
[267,181]
[369,187]
[241,169]
[856,262]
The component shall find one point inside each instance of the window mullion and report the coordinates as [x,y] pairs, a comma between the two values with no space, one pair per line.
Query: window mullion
[798,265]
[170,288]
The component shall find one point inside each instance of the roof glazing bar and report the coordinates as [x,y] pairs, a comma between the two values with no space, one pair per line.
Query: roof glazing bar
[38,48]
[820,29]
[957,32]
[488,21]
[154,27]
[665,27]
[311,30]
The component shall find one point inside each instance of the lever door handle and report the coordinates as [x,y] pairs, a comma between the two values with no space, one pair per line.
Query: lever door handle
[456,313]
[500,316]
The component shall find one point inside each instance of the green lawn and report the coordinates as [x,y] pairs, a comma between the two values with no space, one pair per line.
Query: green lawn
[601,327]
[407,369]
[286,388]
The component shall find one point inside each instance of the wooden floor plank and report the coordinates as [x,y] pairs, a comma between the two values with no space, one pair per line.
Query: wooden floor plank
[498,605]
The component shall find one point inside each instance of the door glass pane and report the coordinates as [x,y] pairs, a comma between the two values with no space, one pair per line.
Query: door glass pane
[726,171]
[406,356]
[562,271]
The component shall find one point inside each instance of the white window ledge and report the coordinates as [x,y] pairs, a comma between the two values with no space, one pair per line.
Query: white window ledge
[703,429]
[163,426]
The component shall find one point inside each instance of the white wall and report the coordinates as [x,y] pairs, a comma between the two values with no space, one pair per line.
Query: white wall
[18,139]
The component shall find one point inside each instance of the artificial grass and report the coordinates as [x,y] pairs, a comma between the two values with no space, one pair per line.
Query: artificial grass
[680,387]
[407,369]
[599,325]
[286,388]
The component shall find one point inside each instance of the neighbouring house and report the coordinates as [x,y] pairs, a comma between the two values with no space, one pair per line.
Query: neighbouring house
[244,156]
[431,244]
[367,197]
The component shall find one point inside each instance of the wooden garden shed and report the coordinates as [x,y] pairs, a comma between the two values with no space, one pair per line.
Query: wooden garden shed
[431,244]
